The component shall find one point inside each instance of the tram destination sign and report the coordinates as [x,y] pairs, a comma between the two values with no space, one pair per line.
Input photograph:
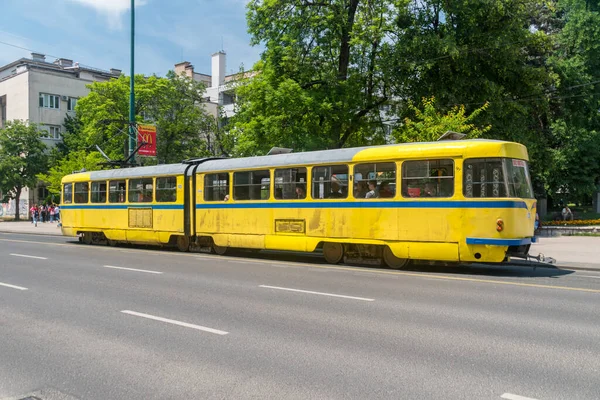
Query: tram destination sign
[147,135]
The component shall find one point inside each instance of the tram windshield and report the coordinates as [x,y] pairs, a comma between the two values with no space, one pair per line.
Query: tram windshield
[497,177]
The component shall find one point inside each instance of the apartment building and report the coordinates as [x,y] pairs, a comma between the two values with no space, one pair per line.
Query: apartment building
[43,92]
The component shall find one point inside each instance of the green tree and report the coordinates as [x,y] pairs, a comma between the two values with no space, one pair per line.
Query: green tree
[575,101]
[322,78]
[428,124]
[75,161]
[173,104]
[22,157]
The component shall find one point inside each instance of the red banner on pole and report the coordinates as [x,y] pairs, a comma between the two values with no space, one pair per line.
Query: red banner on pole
[147,135]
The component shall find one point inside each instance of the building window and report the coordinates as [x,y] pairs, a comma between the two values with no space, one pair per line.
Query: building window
[330,182]
[290,183]
[216,187]
[428,178]
[166,189]
[98,192]
[116,191]
[51,132]
[140,190]
[71,103]
[251,185]
[49,101]
[81,192]
[372,181]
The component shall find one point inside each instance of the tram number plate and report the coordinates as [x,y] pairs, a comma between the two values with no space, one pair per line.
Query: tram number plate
[290,225]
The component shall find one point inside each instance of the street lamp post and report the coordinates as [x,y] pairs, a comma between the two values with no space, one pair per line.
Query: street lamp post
[132,135]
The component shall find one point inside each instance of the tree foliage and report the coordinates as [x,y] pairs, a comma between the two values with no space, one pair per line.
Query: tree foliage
[22,157]
[428,124]
[322,76]
[74,162]
[335,73]
[173,104]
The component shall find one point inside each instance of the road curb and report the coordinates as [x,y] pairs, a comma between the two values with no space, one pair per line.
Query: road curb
[32,233]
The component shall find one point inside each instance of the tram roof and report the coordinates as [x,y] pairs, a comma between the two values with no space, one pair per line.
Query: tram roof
[458,148]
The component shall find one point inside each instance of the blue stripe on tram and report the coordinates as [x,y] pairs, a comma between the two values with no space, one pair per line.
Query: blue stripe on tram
[306,204]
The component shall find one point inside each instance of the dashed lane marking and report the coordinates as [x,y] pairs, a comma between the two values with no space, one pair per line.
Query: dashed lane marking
[133,269]
[13,286]
[510,396]
[26,256]
[174,322]
[319,293]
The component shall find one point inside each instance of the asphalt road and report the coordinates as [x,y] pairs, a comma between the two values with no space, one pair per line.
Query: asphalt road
[76,324]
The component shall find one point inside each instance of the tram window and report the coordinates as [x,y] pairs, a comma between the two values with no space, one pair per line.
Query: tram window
[484,177]
[166,189]
[216,187]
[140,190]
[68,193]
[374,180]
[330,182]
[428,178]
[116,191]
[98,192]
[251,185]
[290,183]
[81,192]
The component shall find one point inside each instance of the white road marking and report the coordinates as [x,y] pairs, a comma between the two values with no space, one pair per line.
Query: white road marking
[588,276]
[510,396]
[26,256]
[13,286]
[172,321]
[133,269]
[319,293]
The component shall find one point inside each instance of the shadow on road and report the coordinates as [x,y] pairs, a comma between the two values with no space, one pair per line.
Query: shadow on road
[521,270]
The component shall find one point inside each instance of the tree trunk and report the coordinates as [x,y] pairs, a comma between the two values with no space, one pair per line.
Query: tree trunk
[17,205]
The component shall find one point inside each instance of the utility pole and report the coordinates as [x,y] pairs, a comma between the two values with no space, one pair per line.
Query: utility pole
[132,130]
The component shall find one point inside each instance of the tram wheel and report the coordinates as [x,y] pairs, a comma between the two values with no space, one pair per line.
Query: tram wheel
[392,261]
[183,243]
[87,238]
[220,250]
[333,252]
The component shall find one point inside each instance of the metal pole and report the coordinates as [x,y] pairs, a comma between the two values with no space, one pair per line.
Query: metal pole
[132,135]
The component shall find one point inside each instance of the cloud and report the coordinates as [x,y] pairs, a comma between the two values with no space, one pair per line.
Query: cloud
[112,9]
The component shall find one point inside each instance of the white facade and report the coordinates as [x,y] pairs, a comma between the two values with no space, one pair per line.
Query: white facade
[43,93]
[219,85]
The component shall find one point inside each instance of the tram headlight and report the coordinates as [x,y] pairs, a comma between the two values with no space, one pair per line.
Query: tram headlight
[499,225]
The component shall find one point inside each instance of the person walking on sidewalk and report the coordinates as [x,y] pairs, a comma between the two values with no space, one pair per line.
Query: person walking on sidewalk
[57,216]
[36,216]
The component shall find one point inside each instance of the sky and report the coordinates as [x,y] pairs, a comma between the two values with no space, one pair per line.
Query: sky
[96,33]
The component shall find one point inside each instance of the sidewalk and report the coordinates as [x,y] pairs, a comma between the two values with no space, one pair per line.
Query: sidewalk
[28,228]
[577,252]
[581,252]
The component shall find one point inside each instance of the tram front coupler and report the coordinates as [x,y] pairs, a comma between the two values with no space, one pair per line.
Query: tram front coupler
[541,259]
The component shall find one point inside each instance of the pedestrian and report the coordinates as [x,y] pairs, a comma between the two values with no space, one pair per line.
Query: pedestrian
[32,213]
[567,214]
[36,216]
[57,216]
[51,213]
[43,213]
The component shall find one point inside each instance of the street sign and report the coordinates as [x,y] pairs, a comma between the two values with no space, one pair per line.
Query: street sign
[147,135]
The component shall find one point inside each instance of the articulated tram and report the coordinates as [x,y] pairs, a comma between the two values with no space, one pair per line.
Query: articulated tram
[451,201]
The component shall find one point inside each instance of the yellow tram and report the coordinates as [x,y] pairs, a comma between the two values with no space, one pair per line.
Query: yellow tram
[452,201]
